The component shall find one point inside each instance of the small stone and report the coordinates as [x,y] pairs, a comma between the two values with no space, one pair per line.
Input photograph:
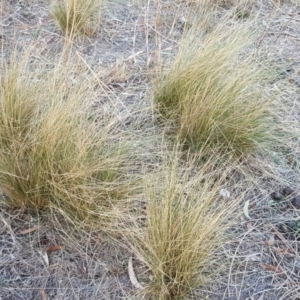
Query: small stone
[276,196]
[25,14]
[287,191]
[182,20]
[292,237]
[291,224]
[296,201]
[284,228]
[224,193]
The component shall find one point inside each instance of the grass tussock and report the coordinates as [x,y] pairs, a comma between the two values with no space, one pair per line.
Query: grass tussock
[78,16]
[186,222]
[213,91]
[52,154]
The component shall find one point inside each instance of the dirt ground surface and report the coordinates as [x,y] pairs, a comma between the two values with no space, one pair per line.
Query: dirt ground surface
[133,41]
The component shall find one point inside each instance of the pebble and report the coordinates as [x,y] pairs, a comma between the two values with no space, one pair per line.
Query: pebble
[287,191]
[284,228]
[276,196]
[26,14]
[291,224]
[224,193]
[296,201]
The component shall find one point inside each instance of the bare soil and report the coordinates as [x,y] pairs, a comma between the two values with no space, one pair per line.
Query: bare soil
[134,40]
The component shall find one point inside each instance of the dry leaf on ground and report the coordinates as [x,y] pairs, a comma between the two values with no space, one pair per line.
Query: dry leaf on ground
[272,268]
[132,276]
[246,209]
[26,231]
[54,248]
[43,293]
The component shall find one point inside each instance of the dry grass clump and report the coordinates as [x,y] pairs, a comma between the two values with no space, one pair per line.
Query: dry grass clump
[213,91]
[78,16]
[186,222]
[52,154]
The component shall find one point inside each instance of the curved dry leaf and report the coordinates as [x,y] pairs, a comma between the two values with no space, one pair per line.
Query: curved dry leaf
[43,293]
[54,248]
[276,269]
[132,276]
[246,209]
[26,231]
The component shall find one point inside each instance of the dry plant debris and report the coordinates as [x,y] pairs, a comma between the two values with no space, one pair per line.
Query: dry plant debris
[92,213]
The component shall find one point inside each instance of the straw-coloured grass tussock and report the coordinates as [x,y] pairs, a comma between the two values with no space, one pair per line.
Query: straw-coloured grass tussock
[78,16]
[186,222]
[52,154]
[213,91]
